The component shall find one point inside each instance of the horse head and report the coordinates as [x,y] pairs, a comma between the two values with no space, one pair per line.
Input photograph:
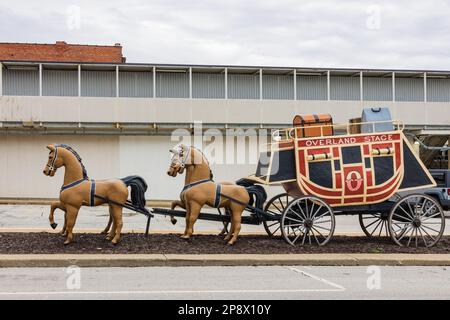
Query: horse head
[180,159]
[54,162]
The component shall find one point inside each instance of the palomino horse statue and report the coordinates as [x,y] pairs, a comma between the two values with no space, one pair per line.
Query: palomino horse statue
[79,190]
[199,189]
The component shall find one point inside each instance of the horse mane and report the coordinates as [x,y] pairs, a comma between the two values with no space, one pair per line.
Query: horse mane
[211,175]
[77,156]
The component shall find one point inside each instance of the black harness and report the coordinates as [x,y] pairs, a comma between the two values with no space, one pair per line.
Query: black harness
[218,190]
[75,183]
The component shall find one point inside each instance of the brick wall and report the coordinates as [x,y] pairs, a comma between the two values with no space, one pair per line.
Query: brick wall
[61,52]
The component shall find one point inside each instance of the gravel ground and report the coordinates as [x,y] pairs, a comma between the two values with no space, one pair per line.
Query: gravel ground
[51,243]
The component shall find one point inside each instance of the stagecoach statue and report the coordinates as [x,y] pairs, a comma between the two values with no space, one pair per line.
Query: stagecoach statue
[366,168]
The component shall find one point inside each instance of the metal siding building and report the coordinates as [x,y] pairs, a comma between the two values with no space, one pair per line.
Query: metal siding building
[128,112]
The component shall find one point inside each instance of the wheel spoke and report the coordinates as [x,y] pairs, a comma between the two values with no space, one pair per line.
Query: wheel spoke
[304,238]
[425,231]
[411,217]
[372,223]
[319,233]
[376,227]
[405,233]
[402,217]
[281,203]
[410,237]
[296,220]
[279,210]
[321,222]
[430,228]
[278,228]
[323,228]
[317,211]
[432,216]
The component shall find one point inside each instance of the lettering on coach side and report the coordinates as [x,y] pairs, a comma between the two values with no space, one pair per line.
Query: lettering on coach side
[348,140]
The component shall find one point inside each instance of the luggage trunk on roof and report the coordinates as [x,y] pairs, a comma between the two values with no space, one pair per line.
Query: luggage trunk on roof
[313,125]
[382,115]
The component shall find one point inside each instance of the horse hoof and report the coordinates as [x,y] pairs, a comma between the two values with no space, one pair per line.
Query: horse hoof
[53,225]
[66,242]
[114,242]
[174,221]
[230,244]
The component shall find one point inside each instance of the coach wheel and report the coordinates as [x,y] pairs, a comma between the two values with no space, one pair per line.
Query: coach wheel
[418,220]
[276,206]
[374,224]
[307,220]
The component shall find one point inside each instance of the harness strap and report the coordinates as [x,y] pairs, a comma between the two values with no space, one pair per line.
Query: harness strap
[193,184]
[218,194]
[92,194]
[71,185]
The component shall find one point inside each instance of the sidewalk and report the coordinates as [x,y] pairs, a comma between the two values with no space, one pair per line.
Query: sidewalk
[176,260]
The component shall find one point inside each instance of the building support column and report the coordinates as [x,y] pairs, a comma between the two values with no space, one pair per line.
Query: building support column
[40,79]
[361,86]
[393,86]
[79,80]
[117,81]
[1,79]
[226,83]
[328,86]
[425,98]
[190,82]
[154,82]
[295,84]
[260,84]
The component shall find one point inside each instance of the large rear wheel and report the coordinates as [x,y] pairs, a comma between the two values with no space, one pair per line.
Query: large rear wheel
[416,220]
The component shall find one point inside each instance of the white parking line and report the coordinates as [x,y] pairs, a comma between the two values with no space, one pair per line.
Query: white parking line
[332,284]
[42,293]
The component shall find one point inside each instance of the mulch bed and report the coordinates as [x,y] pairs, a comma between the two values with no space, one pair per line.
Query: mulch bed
[50,243]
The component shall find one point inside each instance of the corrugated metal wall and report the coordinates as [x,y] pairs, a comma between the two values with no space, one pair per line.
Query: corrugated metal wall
[345,88]
[311,88]
[98,83]
[136,84]
[438,90]
[212,86]
[172,85]
[279,87]
[59,82]
[208,86]
[377,89]
[21,82]
[243,86]
[407,89]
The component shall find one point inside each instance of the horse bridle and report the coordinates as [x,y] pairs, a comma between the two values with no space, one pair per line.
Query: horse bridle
[183,160]
[51,167]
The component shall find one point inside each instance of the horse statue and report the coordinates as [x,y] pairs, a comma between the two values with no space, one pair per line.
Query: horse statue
[200,190]
[79,190]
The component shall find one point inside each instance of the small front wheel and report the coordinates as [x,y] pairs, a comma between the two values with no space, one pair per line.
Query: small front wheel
[276,206]
[308,220]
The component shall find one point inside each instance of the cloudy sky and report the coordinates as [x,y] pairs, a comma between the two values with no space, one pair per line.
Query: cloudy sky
[410,34]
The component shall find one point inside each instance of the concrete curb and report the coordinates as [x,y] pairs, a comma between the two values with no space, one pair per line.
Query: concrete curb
[178,260]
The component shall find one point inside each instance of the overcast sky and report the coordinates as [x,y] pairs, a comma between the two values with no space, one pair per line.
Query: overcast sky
[320,33]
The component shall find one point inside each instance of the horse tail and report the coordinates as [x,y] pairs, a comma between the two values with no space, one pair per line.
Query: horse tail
[138,189]
[257,193]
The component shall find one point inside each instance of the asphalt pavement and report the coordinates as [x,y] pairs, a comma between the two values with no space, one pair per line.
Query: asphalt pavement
[236,283]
